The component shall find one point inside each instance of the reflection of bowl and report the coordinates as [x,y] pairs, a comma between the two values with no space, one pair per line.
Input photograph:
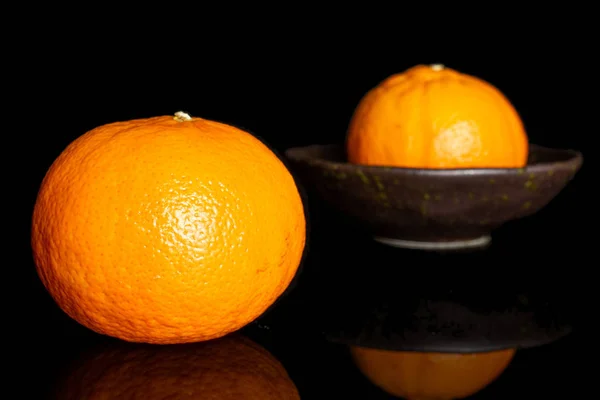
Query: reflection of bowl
[429,208]
[430,376]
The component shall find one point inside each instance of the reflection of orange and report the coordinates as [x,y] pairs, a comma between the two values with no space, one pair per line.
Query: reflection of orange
[167,229]
[231,368]
[430,376]
[436,117]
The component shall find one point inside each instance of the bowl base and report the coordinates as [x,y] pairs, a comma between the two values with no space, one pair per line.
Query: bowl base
[474,243]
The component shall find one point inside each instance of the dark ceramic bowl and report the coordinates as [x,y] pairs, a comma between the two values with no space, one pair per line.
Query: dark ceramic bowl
[428,208]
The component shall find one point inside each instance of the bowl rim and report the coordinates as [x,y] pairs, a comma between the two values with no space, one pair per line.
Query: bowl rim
[573,162]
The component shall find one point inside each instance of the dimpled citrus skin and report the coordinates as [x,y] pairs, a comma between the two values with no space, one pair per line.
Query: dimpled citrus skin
[436,118]
[167,230]
[228,368]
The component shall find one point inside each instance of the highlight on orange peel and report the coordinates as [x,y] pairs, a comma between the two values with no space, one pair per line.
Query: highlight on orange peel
[434,117]
[169,229]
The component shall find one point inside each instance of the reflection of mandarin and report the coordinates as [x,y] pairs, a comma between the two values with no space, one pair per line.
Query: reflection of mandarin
[430,376]
[230,368]
[436,117]
[169,229]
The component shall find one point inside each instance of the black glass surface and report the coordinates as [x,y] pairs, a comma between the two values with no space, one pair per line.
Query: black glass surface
[351,290]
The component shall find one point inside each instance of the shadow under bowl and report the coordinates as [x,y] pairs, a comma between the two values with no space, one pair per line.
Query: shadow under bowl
[433,208]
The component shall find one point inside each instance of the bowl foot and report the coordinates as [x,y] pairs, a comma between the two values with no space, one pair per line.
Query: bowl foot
[479,242]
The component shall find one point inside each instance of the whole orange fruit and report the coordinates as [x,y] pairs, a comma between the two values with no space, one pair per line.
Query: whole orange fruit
[167,229]
[435,117]
[229,368]
[431,376]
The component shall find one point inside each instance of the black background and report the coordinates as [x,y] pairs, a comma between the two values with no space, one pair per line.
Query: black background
[298,88]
